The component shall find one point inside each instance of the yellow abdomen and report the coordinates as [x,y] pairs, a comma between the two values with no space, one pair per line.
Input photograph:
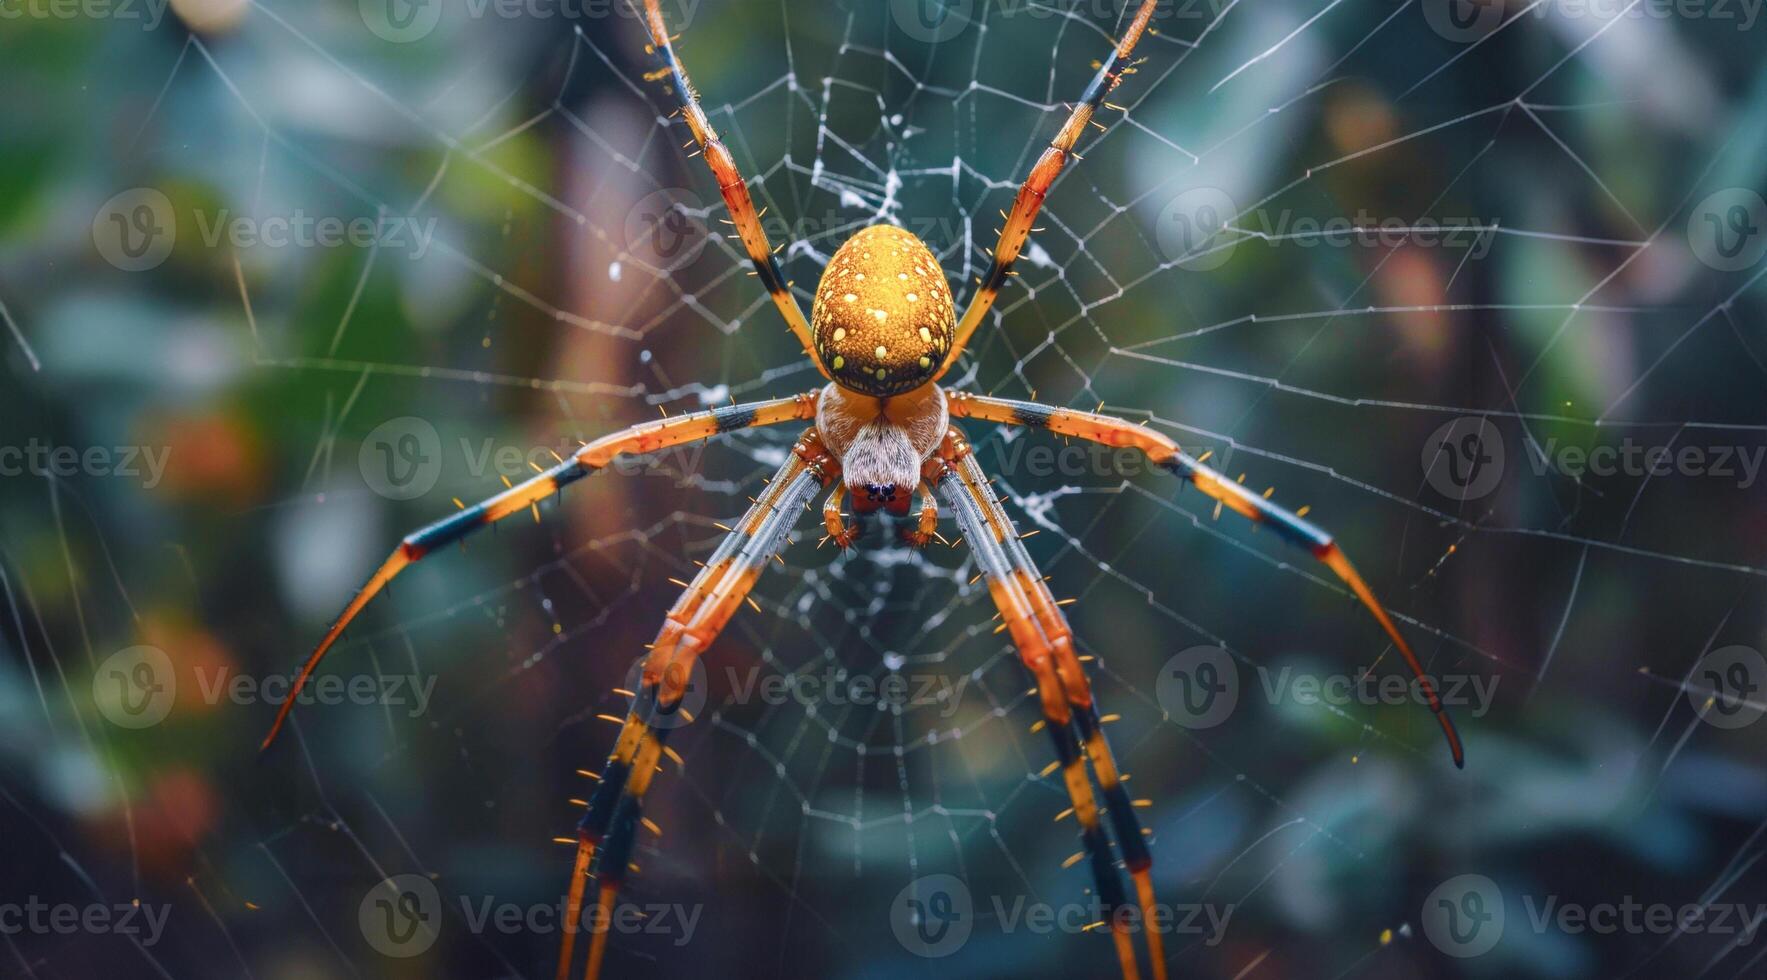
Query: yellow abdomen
[883,315]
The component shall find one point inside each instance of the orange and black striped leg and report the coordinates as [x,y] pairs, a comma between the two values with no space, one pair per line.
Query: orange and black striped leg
[1289,525]
[607,831]
[526,496]
[731,185]
[1026,584]
[1029,201]
[840,532]
[927,528]
[1035,653]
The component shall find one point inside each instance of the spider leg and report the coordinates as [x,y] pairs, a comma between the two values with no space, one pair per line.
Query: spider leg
[645,438]
[1046,643]
[731,185]
[1163,452]
[606,832]
[842,533]
[928,527]
[1029,201]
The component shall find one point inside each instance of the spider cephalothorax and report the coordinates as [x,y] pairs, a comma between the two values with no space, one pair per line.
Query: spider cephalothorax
[882,331]
[883,315]
[881,442]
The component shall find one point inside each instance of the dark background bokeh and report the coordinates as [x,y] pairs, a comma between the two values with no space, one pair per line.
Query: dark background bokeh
[272,379]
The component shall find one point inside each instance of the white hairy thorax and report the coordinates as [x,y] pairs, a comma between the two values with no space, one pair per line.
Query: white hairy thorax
[881,442]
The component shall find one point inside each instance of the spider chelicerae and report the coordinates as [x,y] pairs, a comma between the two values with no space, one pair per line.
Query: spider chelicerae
[883,330]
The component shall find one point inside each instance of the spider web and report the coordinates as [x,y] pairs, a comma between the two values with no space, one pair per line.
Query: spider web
[1569,309]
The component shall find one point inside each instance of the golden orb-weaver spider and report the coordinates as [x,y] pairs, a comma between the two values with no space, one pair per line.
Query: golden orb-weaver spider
[883,331]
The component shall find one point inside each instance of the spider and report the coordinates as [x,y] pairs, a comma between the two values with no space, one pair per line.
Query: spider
[882,331]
